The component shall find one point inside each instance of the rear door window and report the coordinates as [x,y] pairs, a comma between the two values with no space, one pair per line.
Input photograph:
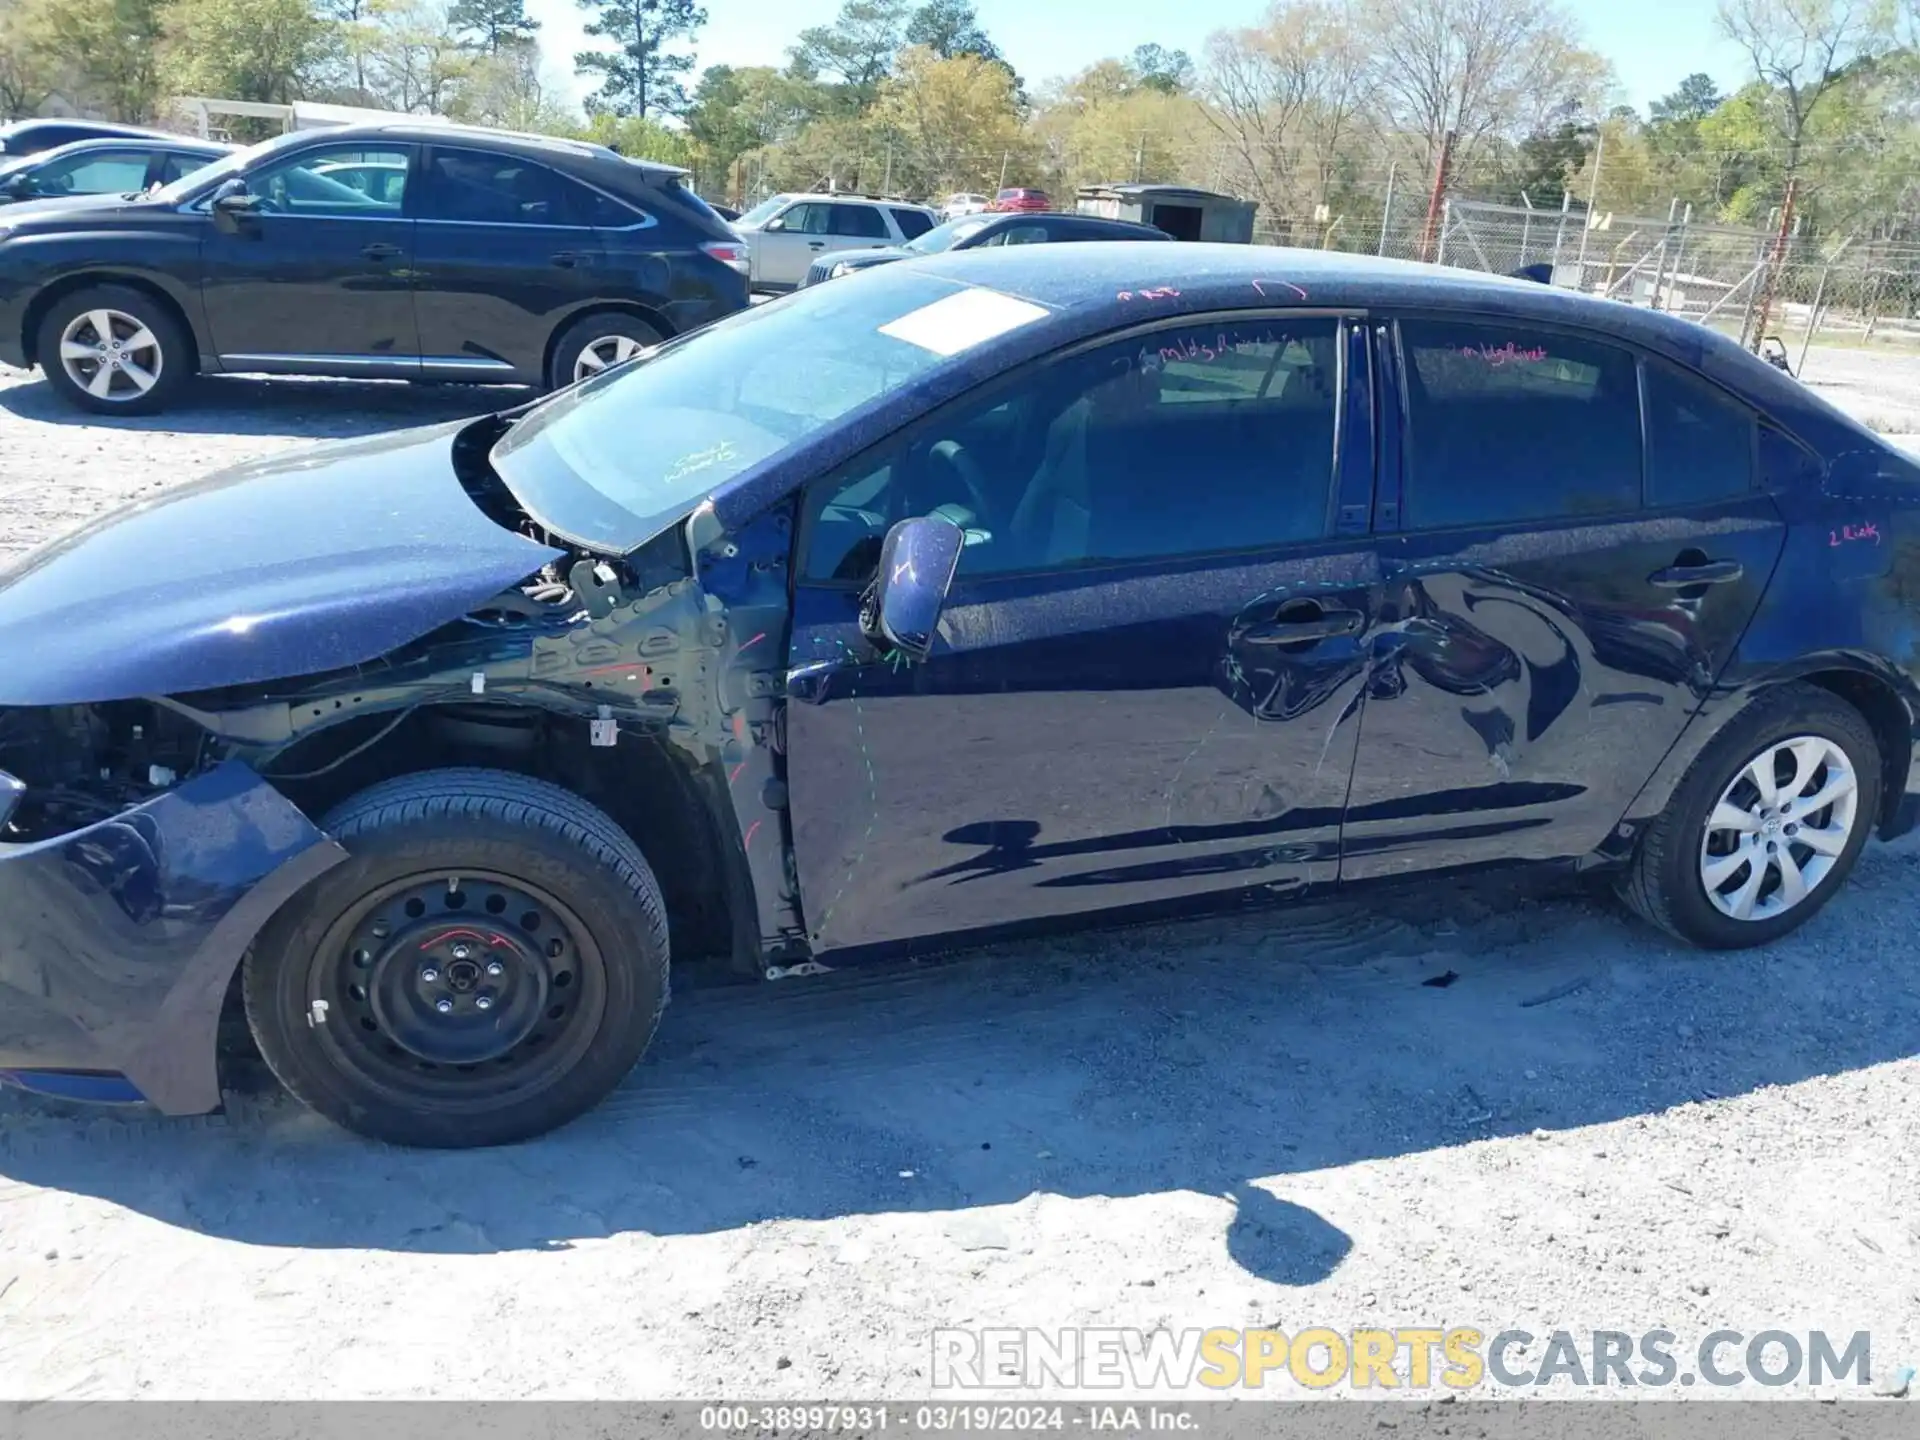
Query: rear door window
[1700,442]
[860,222]
[1511,423]
[485,189]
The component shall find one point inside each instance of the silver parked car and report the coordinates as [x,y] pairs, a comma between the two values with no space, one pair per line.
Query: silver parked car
[785,234]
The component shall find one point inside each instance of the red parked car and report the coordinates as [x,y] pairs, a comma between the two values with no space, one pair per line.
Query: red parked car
[1020,198]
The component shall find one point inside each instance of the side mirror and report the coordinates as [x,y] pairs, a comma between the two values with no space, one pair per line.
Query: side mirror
[230,202]
[917,562]
[779,222]
[17,185]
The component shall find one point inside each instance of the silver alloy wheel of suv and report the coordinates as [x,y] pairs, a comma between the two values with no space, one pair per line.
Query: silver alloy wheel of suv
[111,355]
[608,350]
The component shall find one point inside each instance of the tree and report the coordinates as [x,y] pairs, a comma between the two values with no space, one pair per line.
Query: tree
[493,23]
[1483,70]
[110,46]
[1286,97]
[413,61]
[506,89]
[856,51]
[953,123]
[1168,71]
[950,28]
[639,77]
[1801,50]
[261,50]
[737,110]
[1696,98]
[29,68]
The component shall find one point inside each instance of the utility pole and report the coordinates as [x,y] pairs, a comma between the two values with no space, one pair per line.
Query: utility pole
[1140,160]
[1386,213]
[1774,262]
[1441,172]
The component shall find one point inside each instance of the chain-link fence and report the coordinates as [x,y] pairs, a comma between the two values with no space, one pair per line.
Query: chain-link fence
[1794,292]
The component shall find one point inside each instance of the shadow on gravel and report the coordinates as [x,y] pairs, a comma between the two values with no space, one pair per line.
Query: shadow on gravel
[1217,1057]
[280,405]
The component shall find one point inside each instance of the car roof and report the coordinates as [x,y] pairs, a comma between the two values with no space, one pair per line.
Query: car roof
[144,142]
[1093,222]
[845,198]
[69,122]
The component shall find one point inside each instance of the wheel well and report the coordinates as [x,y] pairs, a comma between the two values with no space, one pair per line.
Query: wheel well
[1883,709]
[638,312]
[67,285]
[648,789]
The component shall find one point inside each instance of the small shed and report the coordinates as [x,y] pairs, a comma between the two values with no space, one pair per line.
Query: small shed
[1181,211]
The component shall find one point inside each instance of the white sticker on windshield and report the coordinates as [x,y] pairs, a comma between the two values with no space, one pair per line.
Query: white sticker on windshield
[962,321]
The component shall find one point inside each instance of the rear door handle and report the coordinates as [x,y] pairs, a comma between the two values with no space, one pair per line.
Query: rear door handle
[1327,625]
[380,250]
[567,259]
[816,245]
[1712,572]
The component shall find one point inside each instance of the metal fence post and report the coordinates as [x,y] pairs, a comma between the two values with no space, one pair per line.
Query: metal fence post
[1560,230]
[1446,224]
[1386,214]
[1593,192]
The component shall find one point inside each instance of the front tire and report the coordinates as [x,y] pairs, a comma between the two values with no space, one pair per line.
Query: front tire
[1765,827]
[487,965]
[113,350]
[596,343]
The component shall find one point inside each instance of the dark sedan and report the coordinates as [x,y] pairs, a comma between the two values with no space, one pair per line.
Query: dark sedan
[399,250]
[103,167]
[973,232]
[997,590]
[29,137]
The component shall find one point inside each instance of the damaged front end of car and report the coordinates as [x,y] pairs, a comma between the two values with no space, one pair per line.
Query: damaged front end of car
[165,776]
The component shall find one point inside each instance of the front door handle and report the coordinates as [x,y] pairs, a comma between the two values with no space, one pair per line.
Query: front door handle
[1708,572]
[1327,625]
[567,259]
[816,245]
[380,250]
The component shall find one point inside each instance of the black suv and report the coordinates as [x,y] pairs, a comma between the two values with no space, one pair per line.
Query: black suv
[406,251]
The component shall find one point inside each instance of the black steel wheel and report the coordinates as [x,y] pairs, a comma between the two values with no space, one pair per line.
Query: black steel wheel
[490,961]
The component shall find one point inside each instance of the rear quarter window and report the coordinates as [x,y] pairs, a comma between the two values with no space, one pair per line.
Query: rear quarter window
[1700,441]
[913,223]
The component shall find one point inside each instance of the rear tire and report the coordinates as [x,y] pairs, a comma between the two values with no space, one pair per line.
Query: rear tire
[1727,865]
[597,343]
[137,366]
[487,965]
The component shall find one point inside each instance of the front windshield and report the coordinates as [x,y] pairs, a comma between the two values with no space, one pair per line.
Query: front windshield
[764,211]
[187,186]
[612,461]
[945,237]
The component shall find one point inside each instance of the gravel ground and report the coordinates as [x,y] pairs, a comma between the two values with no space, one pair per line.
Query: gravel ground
[1264,1121]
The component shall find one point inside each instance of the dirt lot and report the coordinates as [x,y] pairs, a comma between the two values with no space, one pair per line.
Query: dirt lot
[1269,1121]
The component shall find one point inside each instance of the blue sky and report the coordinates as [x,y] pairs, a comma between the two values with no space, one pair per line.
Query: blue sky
[1652,43]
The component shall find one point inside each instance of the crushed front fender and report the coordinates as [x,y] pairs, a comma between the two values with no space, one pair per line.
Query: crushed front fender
[118,941]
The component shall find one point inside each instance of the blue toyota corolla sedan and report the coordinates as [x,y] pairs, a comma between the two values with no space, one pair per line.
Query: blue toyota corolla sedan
[1002,589]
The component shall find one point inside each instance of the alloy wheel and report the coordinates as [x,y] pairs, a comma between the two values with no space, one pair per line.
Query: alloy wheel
[608,350]
[111,355]
[1779,828]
